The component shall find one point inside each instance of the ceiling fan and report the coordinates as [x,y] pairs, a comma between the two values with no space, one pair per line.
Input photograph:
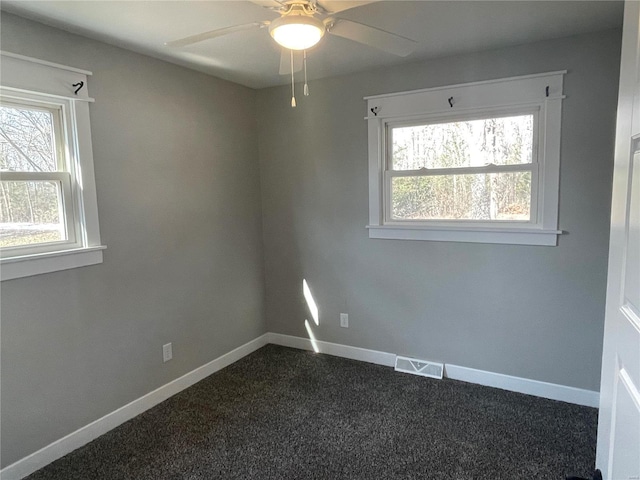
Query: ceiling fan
[302,24]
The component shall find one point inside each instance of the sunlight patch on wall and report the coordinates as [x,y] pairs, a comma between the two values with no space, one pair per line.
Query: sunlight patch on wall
[311,303]
[311,337]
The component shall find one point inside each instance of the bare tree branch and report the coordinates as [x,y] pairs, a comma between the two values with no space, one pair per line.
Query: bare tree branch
[19,150]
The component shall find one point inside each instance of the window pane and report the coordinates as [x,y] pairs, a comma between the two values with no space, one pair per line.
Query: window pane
[27,140]
[492,196]
[501,141]
[30,213]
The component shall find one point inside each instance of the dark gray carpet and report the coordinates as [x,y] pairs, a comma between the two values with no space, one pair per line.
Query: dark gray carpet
[287,414]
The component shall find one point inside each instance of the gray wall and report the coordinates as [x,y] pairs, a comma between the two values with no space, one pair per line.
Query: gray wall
[179,203]
[533,312]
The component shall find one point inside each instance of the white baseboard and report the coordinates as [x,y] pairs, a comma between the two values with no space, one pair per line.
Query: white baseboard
[335,349]
[552,391]
[497,380]
[86,434]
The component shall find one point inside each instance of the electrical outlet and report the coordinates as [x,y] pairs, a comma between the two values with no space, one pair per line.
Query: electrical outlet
[167,352]
[344,320]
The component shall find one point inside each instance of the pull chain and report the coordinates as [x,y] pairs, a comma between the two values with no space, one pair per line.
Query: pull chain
[293,88]
[306,87]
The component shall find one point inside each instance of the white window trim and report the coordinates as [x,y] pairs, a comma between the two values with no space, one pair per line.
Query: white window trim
[541,93]
[31,80]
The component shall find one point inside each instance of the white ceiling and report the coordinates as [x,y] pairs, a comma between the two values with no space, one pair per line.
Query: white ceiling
[251,58]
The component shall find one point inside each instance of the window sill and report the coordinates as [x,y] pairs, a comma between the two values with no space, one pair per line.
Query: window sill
[509,236]
[29,265]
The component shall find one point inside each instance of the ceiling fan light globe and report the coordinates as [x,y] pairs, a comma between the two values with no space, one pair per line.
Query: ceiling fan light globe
[297,32]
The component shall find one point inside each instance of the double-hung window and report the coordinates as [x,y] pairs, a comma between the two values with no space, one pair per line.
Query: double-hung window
[36,207]
[473,163]
[48,211]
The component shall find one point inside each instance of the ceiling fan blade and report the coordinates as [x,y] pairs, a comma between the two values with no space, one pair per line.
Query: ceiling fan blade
[335,6]
[200,37]
[272,4]
[285,62]
[372,36]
